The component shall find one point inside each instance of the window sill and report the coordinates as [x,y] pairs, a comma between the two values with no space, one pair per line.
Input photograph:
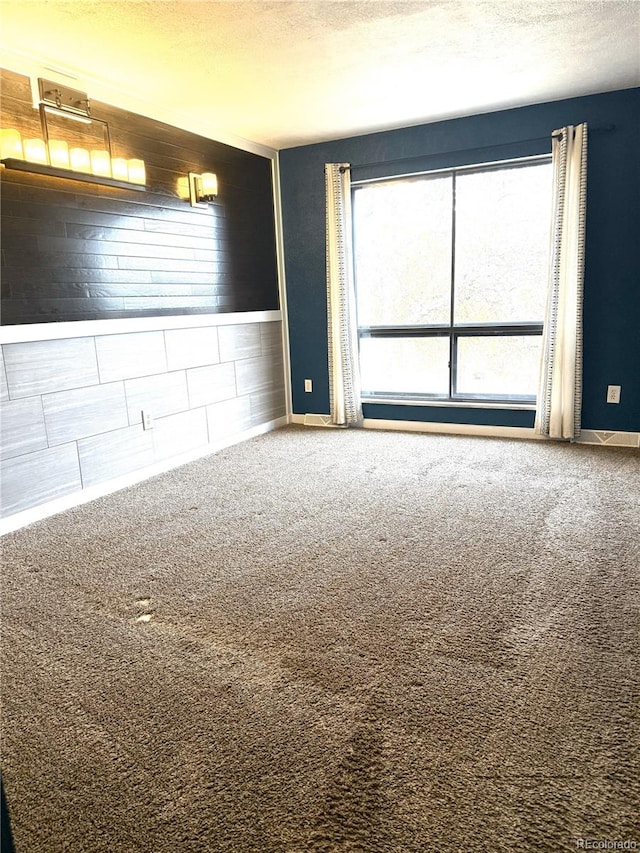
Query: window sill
[452,404]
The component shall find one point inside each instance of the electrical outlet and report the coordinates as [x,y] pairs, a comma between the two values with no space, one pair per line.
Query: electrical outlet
[613,393]
[147,419]
[308,386]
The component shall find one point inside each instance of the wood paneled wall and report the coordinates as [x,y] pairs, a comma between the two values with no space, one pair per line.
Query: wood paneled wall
[81,251]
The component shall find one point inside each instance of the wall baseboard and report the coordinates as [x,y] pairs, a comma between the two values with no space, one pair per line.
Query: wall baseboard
[421,426]
[610,438]
[588,436]
[452,429]
[38,513]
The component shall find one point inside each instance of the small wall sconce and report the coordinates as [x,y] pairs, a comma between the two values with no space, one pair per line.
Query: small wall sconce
[203,189]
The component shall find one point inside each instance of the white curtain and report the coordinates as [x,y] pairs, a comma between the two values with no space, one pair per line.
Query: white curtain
[344,374]
[560,386]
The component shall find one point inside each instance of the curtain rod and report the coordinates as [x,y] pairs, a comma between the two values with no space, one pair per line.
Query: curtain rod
[605,128]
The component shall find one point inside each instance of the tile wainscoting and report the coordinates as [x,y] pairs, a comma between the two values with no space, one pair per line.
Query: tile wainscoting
[72,406]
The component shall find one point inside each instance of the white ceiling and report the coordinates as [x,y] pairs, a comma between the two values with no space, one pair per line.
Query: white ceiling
[290,72]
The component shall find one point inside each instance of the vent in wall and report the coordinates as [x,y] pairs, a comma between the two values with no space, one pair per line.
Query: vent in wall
[319,420]
[614,439]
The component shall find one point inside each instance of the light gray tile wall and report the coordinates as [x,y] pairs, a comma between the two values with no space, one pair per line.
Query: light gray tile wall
[211,384]
[4,390]
[113,454]
[271,338]
[162,395]
[70,415]
[191,347]
[22,427]
[258,374]
[36,478]
[267,405]
[131,355]
[41,367]
[242,341]
[71,408]
[177,434]
[229,417]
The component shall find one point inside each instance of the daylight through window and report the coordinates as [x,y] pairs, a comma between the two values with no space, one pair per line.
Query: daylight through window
[451,271]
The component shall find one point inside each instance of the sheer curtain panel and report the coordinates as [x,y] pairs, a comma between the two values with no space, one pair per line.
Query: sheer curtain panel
[560,386]
[344,374]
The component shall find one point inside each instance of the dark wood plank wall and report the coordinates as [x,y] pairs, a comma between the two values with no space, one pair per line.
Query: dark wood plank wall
[80,251]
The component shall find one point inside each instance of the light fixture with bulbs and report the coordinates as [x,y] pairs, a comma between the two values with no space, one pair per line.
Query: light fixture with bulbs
[203,188]
[74,145]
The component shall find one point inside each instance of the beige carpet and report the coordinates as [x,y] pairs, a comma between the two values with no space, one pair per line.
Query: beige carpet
[326,640]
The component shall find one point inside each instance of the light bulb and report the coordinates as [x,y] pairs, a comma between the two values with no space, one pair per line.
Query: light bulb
[209,184]
[35,151]
[101,163]
[136,171]
[80,160]
[59,153]
[10,144]
[119,169]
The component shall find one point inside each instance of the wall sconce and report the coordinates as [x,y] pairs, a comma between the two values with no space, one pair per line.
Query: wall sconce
[82,153]
[203,188]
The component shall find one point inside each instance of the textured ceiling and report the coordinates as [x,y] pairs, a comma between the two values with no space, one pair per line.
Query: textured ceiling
[284,73]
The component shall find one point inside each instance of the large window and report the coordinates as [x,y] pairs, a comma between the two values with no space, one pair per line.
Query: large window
[451,270]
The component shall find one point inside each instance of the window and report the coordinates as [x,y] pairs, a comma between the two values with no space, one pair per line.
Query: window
[451,271]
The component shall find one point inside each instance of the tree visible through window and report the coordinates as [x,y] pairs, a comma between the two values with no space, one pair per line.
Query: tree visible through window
[451,271]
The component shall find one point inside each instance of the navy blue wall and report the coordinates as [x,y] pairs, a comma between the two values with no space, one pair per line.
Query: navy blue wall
[612,273]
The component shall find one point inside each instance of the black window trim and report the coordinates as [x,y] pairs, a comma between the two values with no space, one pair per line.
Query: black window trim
[448,330]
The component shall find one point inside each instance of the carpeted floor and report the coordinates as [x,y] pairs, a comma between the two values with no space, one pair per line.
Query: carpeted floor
[327,640]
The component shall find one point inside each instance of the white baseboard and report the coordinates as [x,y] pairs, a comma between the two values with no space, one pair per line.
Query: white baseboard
[421,426]
[452,429]
[611,439]
[588,436]
[37,513]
